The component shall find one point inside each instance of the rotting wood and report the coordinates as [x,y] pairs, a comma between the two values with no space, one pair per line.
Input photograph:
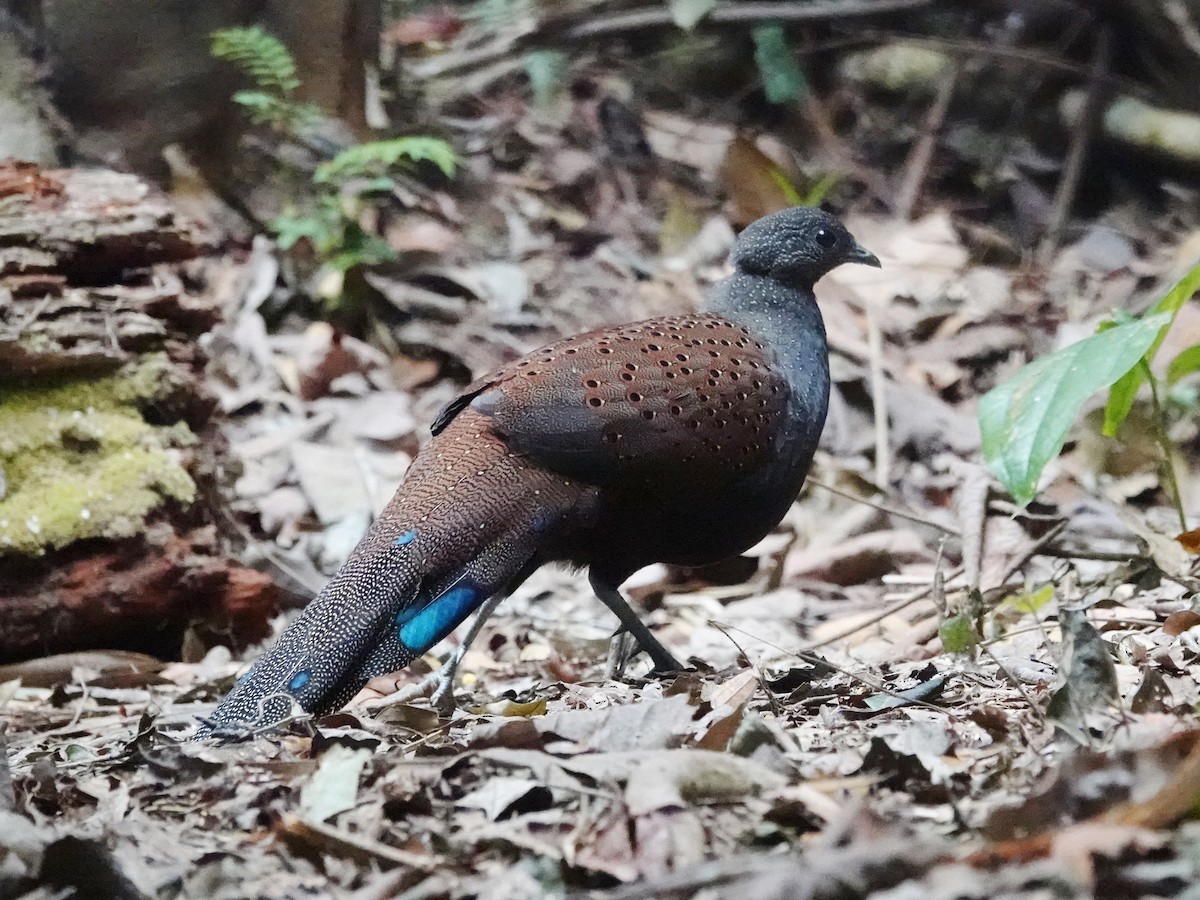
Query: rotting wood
[107,435]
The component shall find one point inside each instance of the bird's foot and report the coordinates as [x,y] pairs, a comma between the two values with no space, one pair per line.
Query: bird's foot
[624,646]
[438,686]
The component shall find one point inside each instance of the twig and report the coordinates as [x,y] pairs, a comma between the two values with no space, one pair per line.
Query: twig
[875,620]
[1084,130]
[841,670]
[885,508]
[1014,681]
[356,847]
[1058,551]
[762,682]
[743,13]
[960,47]
[1045,539]
[939,580]
[971,503]
[1164,444]
[916,169]
[883,454]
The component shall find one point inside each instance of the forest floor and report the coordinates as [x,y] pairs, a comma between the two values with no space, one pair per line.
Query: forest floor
[824,743]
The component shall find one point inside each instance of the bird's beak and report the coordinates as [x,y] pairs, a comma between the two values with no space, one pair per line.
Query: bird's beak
[860,254]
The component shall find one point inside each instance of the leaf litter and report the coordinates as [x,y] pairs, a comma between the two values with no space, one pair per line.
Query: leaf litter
[911,690]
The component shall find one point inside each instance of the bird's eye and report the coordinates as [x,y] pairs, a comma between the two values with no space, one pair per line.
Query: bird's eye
[825,237]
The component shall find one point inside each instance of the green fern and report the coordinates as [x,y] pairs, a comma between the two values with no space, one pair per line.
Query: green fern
[376,158]
[345,186]
[265,60]
[263,57]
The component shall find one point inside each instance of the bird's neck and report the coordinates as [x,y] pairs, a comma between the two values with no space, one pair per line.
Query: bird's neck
[787,320]
[786,317]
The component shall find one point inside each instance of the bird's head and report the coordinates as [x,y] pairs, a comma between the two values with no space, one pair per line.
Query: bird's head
[797,247]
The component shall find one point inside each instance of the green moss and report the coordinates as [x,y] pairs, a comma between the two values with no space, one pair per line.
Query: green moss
[80,460]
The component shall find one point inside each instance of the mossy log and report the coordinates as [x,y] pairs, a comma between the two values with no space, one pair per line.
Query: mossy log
[106,429]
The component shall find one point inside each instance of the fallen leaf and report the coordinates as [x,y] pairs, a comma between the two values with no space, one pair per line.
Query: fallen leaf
[333,788]
[1179,622]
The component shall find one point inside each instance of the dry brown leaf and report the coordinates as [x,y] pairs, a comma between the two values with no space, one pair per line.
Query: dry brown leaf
[753,182]
[1179,622]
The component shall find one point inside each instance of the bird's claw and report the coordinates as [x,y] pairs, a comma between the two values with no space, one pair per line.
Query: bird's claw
[438,686]
[624,646]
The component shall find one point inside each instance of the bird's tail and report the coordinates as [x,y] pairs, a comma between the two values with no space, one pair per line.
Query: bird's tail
[466,524]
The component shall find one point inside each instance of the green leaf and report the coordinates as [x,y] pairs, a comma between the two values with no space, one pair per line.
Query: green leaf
[1124,392]
[545,70]
[376,158]
[1187,362]
[819,190]
[1030,602]
[289,230]
[688,13]
[261,56]
[783,79]
[958,634]
[1025,420]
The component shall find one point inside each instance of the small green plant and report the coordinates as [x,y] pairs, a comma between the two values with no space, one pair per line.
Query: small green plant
[783,79]
[375,159]
[347,184]
[264,59]
[328,215]
[1024,421]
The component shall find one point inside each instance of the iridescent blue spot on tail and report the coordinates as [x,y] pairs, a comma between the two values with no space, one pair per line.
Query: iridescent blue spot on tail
[541,522]
[421,630]
[299,680]
[406,538]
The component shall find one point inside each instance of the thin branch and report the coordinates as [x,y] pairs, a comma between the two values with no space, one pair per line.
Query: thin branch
[875,620]
[743,13]
[1164,444]
[884,507]
[883,452]
[1084,129]
[916,168]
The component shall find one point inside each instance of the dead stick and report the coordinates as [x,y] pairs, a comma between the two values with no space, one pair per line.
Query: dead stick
[883,451]
[916,169]
[1084,129]
[650,17]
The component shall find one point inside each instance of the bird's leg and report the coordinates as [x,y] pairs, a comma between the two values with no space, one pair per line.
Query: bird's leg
[438,686]
[611,597]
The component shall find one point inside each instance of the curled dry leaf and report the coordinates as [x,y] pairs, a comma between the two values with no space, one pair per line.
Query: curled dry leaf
[1179,622]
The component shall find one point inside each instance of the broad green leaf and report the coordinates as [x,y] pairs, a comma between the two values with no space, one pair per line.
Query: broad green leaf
[1187,362]
[1025,420]
[1124,392]
[958,634]
[783,79]
[688,13]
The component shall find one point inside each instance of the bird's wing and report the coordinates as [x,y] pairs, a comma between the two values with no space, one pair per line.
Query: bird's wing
[636,402]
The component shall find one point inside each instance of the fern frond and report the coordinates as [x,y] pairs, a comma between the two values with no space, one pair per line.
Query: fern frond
[261,56]
[377,157]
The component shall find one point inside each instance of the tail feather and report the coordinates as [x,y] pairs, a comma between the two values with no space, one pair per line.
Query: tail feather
[455,534]
[313,664]
[438,611]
